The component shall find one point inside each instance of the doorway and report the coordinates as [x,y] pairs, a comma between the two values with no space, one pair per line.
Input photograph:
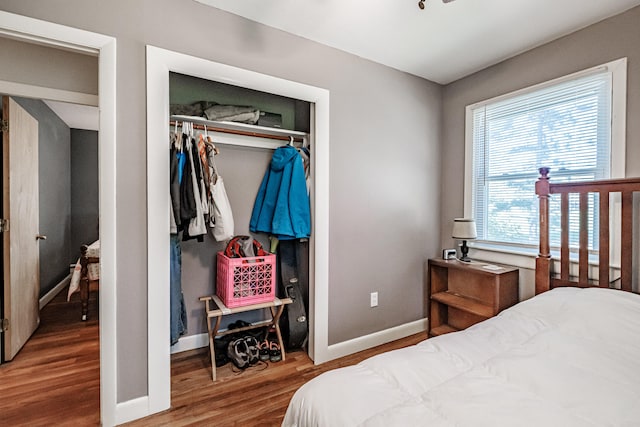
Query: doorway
[59,36]
[58,212]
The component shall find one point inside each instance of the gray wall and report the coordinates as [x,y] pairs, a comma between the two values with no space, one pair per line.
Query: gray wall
[605,41]
[54,193]
[384,162]
[53,68]
[84,188]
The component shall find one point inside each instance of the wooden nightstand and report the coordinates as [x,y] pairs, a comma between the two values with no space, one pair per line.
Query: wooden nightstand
[462,294]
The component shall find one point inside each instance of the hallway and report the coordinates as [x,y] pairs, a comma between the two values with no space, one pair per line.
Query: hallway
[55,378]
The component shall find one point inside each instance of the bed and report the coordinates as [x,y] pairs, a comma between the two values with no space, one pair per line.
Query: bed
[86,276]
[570,356]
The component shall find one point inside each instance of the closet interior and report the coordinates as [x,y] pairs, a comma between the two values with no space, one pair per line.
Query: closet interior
[245,127]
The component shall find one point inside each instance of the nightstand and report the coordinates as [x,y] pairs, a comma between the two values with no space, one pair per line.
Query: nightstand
[462,294]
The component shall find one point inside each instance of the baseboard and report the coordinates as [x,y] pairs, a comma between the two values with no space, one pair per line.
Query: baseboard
[190,342]
[335,351]
[132,410]
[46,298]
[365,342]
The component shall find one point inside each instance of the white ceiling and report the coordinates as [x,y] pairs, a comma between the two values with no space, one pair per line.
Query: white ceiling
[443,42]
[76,116]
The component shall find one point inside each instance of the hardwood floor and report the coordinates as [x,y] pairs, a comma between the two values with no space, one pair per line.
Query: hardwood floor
[54,380]
[256,397]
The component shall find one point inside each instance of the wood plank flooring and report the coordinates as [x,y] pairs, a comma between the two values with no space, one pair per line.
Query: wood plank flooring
[54,380]
[256,397]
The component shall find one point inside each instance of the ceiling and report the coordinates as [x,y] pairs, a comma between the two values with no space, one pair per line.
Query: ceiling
[443,42]
[76,116]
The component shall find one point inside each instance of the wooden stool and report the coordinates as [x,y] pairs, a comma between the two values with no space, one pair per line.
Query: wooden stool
[276,307]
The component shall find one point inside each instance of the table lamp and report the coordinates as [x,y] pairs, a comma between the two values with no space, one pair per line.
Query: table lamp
[464,229]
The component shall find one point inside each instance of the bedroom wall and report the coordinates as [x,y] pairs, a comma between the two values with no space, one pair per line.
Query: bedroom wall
[54,184]
[84,189]
[384,160]
[25,62]
[605,41]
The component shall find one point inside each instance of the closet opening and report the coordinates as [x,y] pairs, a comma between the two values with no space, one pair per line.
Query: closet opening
[238,130]
[165,70]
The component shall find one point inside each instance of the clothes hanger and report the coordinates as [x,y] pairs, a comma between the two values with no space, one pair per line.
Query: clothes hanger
[291,141]
[209,140]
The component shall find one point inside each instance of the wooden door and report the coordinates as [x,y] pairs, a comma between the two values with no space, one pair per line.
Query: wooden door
[21,261]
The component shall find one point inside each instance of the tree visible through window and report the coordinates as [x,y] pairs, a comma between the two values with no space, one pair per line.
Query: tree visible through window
[566,127]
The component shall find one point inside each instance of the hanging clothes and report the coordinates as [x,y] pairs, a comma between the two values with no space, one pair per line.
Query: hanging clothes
[187,198]
[178,312]
[282,203]
[221,213]
[197,228]
[212,175]
[174,183]
[306,161]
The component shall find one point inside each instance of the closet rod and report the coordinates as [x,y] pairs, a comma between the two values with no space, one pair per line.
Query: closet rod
[237,131]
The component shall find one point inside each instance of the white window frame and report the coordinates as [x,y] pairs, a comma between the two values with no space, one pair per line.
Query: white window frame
[618,69]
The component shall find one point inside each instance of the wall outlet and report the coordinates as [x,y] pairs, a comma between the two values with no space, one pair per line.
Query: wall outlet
[374,299]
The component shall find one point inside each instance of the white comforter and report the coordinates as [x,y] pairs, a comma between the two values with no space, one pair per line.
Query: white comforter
[568,357]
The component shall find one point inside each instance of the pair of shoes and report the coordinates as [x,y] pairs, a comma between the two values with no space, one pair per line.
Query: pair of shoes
[275,355]
[263,350]
[243,352]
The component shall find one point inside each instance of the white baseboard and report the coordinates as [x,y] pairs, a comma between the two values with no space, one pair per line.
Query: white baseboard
[132,410]
[46,298]
[335,351]
[190,342]
[355,345]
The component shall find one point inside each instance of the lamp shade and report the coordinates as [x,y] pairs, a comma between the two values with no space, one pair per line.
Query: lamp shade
[464,229]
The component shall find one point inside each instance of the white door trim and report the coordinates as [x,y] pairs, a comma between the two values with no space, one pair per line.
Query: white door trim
[55,35]
[159,63]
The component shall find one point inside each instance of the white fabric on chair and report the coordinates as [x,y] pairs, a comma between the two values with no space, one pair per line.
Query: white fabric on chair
[93,270]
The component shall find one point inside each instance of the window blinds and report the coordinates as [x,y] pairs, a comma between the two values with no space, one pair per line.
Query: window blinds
[566,127]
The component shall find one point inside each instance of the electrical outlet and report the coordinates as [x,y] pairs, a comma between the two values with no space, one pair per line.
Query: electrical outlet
[374,299]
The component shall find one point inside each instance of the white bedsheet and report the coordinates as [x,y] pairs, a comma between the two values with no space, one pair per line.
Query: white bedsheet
[568,357]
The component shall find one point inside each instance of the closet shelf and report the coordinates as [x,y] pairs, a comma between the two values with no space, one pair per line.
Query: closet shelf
[233,133]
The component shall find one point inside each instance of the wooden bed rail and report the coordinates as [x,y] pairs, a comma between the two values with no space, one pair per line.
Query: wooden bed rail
[626,187]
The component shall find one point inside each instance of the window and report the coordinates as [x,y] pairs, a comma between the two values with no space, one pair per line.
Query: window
[565,125]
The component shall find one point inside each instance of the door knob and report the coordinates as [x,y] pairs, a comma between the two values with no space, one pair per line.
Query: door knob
[41,237]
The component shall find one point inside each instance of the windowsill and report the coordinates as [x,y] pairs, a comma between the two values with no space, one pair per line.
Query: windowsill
[519,256]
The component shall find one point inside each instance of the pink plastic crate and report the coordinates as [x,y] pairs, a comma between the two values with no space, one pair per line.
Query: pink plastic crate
[246,281]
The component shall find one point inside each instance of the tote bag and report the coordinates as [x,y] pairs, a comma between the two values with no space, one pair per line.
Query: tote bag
[223,217]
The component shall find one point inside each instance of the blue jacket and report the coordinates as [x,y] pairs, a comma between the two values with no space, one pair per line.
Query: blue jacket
[282,203]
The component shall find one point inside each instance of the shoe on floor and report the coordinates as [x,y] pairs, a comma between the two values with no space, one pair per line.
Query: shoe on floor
[275,355]
[263,351]
[252,349]
[238,353]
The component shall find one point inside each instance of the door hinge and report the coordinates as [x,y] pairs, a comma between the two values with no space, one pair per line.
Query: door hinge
[4,126]
[4,225]
[5,325]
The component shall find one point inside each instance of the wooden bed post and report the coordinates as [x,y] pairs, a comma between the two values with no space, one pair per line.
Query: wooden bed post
[543,260]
